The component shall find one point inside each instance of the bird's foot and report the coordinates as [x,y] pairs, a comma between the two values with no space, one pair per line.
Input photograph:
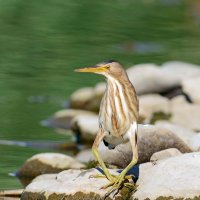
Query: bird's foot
[118,182]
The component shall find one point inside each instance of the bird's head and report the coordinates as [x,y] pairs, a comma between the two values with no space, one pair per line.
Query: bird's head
[109,68]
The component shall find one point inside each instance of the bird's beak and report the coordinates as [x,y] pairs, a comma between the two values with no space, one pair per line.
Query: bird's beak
[94,69]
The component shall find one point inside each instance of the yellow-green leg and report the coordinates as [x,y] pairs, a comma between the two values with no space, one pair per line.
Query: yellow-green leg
[95,146]
[115,181]
[119,179]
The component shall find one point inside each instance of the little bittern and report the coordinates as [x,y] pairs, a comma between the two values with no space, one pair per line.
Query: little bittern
[118,116]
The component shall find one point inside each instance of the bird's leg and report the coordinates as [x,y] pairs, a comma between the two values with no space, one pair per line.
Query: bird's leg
[120,179]
[95,146]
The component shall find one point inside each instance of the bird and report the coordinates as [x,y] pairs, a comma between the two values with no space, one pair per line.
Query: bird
[118,117]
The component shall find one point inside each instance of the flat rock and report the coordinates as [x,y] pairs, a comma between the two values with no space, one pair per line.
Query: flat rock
[168,179]
[86,126]
[167,153]
[153,103]
[185,114]
[70,184]
[62,119]
[46,163]
[192,89]
[151,139]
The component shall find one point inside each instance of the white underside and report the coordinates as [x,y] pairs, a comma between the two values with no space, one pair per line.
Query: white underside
[130,134]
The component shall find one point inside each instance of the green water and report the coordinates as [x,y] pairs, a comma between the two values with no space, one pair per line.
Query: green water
[41,42]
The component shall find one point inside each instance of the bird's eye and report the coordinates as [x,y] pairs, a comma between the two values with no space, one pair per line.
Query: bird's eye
[108,66]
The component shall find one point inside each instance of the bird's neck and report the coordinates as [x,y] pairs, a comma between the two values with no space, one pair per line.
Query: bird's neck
[113,83]
[121,94]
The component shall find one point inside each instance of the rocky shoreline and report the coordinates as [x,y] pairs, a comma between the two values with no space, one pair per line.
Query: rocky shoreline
[168,141]
[175,176]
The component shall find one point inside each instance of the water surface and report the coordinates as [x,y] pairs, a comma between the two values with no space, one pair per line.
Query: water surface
[41,42]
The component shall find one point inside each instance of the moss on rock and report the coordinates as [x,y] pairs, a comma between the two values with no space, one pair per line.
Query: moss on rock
[159,116]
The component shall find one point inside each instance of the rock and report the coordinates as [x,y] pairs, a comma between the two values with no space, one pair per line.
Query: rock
[81,97]
[71,184]
[195,142]
[178,71]
[167,153]
[168,179]
[151,139]
[85,156]
[185,114]
[62,119]
[192,89]
[99,89]
[46,163]
[150,78]
[145,78]
[184,134]
[88,98]
[111,156]
[86,126]
[153,103]
[164,180]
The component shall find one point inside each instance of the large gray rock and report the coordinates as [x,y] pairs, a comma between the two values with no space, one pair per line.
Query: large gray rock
[153,103]
[173,178]
[151,139]
[187,135]
[70,184]
[192,89]
[164,154]
[185,114]
[46,163]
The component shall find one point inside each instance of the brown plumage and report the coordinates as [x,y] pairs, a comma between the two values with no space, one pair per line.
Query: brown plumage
[118,114]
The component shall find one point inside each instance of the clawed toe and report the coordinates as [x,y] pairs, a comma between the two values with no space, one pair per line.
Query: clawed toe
[97,176]
[118,183]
